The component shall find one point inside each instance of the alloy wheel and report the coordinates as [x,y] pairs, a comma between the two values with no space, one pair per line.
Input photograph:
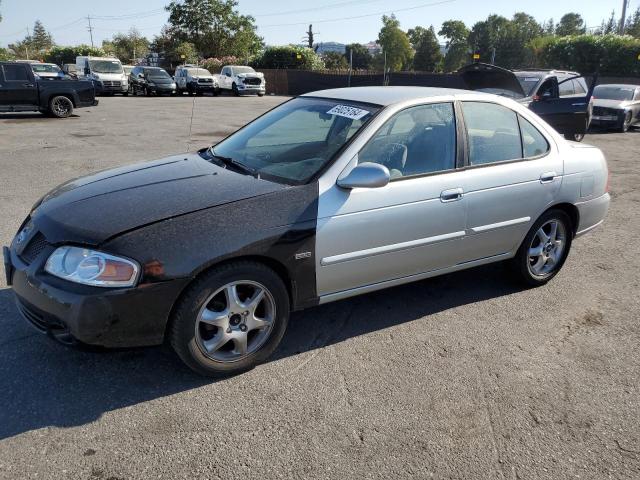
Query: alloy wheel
[61,106]
[235,321]
[547,248]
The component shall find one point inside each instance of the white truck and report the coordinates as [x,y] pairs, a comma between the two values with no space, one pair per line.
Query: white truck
[241,80]
[106,73]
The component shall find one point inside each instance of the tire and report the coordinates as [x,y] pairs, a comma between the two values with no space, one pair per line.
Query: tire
[213,350]
[261,94]
[61,106]
[234,89]
[575,137]
[626,123]
[216,92]
[523,264]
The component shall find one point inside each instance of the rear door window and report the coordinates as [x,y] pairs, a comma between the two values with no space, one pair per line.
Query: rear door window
[566,88]
[577,86]
[15,73]
[493,132]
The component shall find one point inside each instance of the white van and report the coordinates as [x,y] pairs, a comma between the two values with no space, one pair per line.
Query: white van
[106,73]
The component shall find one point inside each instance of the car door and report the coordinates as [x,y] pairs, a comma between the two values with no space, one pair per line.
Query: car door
[512,173]
[414,225]
[19,87]
[559,105]
[225,78]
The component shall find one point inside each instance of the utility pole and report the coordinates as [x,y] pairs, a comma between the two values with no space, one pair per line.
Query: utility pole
[26,44]
[309,36]
[350,64]
[90,28]
[624,16]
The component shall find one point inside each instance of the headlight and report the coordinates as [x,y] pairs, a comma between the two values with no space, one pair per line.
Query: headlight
[90,267]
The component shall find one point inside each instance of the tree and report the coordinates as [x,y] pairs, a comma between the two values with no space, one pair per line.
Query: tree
[608,26]
[395,44]
[60,55]
[127,46]
[335,61]
[290,56]
[456,34]
[186,52]
[548,27]
[570,24]
[214,27]
[487,38]
[41,40]
[360,56]
[632,26]
[427,57]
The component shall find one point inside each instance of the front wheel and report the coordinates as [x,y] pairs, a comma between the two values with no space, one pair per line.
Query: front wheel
[576,137]
[60,106]
[231,319]
[626,122]
[545,248]
[234,89]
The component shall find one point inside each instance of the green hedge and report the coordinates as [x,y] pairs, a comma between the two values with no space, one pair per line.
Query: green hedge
[60,55]
[291,56]
[606,54]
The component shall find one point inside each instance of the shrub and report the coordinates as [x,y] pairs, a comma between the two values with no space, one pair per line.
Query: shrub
[60,55]
[214,65]
[291,56]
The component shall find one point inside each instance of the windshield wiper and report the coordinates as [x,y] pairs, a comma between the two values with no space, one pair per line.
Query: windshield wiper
[230,162]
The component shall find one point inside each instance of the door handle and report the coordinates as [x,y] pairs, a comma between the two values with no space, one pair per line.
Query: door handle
[548,177]
[27,85]
[451,195]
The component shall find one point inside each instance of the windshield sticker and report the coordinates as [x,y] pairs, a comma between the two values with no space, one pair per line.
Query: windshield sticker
[348,112]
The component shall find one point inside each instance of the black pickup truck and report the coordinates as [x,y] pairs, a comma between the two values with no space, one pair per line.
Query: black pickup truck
[22,91]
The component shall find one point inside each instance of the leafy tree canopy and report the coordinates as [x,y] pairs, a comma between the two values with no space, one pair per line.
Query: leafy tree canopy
[395,44]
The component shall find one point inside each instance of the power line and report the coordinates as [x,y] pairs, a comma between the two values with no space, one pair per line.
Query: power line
[339,19]
[312,9]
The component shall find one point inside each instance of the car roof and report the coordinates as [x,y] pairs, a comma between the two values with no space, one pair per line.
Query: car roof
[545,72]
[386,95]
[618,85]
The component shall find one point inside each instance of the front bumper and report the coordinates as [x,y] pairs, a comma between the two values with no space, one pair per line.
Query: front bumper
[162,89]
[242,88]
[127,317]
[608,121]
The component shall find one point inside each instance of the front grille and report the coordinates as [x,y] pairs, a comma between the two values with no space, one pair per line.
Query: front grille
[252,81]
[111,84]
[205,80]
[35,246]
[600,111]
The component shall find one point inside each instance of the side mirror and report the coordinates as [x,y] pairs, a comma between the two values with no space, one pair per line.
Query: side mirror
[366,175]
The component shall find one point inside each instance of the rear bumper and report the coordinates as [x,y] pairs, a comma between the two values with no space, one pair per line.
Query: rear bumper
[96,316]
[592,213]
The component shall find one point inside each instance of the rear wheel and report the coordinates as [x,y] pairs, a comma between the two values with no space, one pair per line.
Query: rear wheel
[231,319]
[545,248]
[60,106]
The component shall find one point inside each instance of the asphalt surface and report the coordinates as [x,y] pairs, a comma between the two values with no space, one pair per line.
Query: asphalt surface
[466,376]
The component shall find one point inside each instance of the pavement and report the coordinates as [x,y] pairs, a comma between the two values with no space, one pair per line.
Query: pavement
[465,376]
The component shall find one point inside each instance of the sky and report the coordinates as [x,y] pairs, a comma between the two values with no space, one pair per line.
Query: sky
[282,21]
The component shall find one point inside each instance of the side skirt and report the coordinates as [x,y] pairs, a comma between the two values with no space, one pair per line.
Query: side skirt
[332,297]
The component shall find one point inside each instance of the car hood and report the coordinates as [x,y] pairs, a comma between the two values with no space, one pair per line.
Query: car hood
[603,102]
[250,75]
[480,76]
[93,209]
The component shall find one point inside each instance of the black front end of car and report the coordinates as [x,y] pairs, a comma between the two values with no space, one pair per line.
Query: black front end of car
[606,117]
[81,314]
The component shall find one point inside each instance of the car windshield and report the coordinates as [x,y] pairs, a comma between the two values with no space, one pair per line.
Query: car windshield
[156,73]
[127,69]
[45,68]
[294,141]
[237,70]
[105,66]
[614,93]
[528,83]
[199,71]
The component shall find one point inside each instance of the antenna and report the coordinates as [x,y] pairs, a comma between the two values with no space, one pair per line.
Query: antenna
[193,107]
[90,28]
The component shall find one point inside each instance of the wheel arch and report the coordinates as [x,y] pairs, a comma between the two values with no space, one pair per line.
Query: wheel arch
[571,210]
[279,268]
[69,95]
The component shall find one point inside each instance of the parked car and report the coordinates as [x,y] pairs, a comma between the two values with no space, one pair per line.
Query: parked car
[47,70]
[151,81]
[329,195]
[70,70]
[241,80]
[127,69]
[20,92]
[195,80]
[616,106]
[560,97]
[106,73]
